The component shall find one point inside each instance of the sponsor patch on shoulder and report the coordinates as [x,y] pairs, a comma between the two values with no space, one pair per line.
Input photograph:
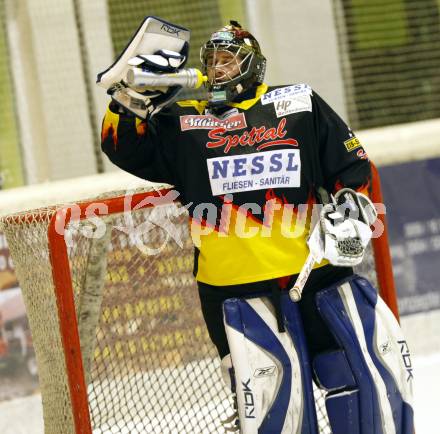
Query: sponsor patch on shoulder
[292,105]
[284,92]
[362,154]
[352,144]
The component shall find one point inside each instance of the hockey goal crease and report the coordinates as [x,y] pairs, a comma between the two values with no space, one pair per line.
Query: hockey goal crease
[120,341]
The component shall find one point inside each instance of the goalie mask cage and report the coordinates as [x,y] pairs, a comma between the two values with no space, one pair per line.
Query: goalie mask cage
[119,337]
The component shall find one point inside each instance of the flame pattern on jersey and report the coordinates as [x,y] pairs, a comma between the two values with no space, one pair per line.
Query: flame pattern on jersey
[109,130]
[110,125]
[296,153]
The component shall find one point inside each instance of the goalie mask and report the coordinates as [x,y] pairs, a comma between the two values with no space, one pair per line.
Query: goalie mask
[233,62]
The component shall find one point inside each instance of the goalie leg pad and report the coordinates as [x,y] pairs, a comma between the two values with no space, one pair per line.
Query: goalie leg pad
[376,387]
[333,373]
[272,370]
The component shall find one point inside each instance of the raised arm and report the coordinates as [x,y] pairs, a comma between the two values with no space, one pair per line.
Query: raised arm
[134,145]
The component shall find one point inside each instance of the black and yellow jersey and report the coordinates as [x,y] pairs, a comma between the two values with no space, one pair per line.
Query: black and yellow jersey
[248,174]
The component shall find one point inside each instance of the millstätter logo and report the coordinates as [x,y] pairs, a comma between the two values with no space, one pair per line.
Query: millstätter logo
[210,122]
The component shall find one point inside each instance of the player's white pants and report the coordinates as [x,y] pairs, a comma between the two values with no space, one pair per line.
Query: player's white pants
[272,370]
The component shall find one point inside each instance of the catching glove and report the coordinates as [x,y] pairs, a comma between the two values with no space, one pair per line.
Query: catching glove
[146,102]
[157,46]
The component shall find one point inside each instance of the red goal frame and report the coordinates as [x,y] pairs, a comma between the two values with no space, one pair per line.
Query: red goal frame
[65,294]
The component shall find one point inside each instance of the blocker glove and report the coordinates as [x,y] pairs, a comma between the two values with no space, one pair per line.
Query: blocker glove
[343,231]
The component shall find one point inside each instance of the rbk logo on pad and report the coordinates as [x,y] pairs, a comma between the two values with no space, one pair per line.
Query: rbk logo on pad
[210,122]
[406,357]
[265,372]
[249,403]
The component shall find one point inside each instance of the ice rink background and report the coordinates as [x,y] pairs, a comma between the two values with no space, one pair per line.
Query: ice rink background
[24,415]
[44,116]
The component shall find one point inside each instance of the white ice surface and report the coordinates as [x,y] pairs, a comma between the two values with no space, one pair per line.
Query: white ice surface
[24,415]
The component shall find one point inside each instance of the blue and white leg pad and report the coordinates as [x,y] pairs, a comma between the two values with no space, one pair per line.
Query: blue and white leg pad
[272,370]
[369,381]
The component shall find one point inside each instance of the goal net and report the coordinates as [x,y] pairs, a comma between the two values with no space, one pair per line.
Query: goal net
[117,328]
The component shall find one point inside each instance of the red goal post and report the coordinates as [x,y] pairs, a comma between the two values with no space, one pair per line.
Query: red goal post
[64,294]
[83,405]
